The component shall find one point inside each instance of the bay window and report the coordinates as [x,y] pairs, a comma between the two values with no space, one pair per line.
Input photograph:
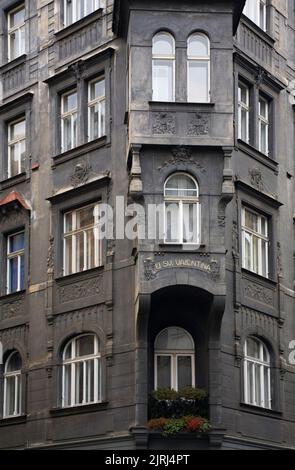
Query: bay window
[255,239]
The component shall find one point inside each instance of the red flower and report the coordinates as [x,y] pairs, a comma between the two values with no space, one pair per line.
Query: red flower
[194,424]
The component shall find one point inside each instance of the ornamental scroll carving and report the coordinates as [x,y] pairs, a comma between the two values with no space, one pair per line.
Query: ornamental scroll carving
[182,155]
[81,174]
[163,123]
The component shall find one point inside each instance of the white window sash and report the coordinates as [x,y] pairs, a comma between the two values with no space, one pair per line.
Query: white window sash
[19,254]
[13,143]
[261,238]
[173,366]
[64,115]
[16,375]
[243,107]
[16,31]
[205,60]
[77,13]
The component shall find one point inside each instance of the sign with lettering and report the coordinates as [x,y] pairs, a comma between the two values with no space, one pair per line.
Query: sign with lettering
[151,268]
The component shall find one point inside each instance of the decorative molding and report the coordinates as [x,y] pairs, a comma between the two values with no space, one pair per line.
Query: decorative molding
[221,220]
[81,173]
[80,290]
[12,334]
[152,268]
[12,309]
[182,155]
[163,123]
[259,293]
[50,256]
[76,316]
[198,124]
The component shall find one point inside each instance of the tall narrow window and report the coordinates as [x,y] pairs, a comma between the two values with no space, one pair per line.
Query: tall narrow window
[96,109]
[255,242]
[81,375]
[81,239]
[163,67]
[198,63]
[12,385]
[256,11]
[243,112]
[257,385]
[15,262]
[16,32]
[68,120]
[263,125]
[182,210]
[16,147]
[174,359]
[74,10]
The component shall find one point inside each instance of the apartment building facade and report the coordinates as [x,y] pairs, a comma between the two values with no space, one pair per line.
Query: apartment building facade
[131,103]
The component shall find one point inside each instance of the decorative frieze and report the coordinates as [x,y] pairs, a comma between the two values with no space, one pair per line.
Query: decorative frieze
[80,290]
[76,316]
[80,40]
[259,293]
[12,309]
[198,124]
[14,78]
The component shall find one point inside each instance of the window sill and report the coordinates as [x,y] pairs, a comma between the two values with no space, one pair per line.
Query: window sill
[72,28]
[257,155]
[259,410]
[8,421]
[79,409]
[78,151]
[81,274]
[13,63]
[13,296]
[13,180]
[160,105]
[260,278]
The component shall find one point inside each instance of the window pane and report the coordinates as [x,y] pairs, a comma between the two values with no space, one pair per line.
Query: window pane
[172,223]
[85,217]
[79,382]
[163,372]
[181,185]
[190,223]
[94,122]
[69,222]
[10,396]
[69,102]
[264,256]
[198,81]
[266,388]
[255,260]
[14,363]
[68,255]
[251,220]
[16,242]
[162,80]
[80,252]
[244,125]
[243,94]
[17,130]
[13,274]
[198,46]
[67,134]
[67,384]
[90,249]
[184,371]
[22,272]
[85,346]
[258,397]
[89,381]
[163,44]
[247,251]
[174,338]
[17,17]
[97,89]
[263,137]
[253,348]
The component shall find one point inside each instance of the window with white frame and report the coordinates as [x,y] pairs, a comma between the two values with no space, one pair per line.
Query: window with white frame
[16,147]
[12,385]
[243,112]
[255,238]
[96,108]
[257,377]
[69,110]
[15,262]
[74,10]
[163,67]
[81,371]
[82,246]
[174,353]
[263,125]
[182,209]
[16,32]
[256,11]
[198,68]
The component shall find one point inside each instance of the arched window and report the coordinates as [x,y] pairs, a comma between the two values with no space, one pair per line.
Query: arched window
[81,375]
[163,67]
[182,209]
[257,388]
[174,359]
[12,385]
[198,68]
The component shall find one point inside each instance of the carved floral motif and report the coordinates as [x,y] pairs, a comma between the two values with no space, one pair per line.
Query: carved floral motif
[80,290]
[198,124]
[259,293]
[163,123]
